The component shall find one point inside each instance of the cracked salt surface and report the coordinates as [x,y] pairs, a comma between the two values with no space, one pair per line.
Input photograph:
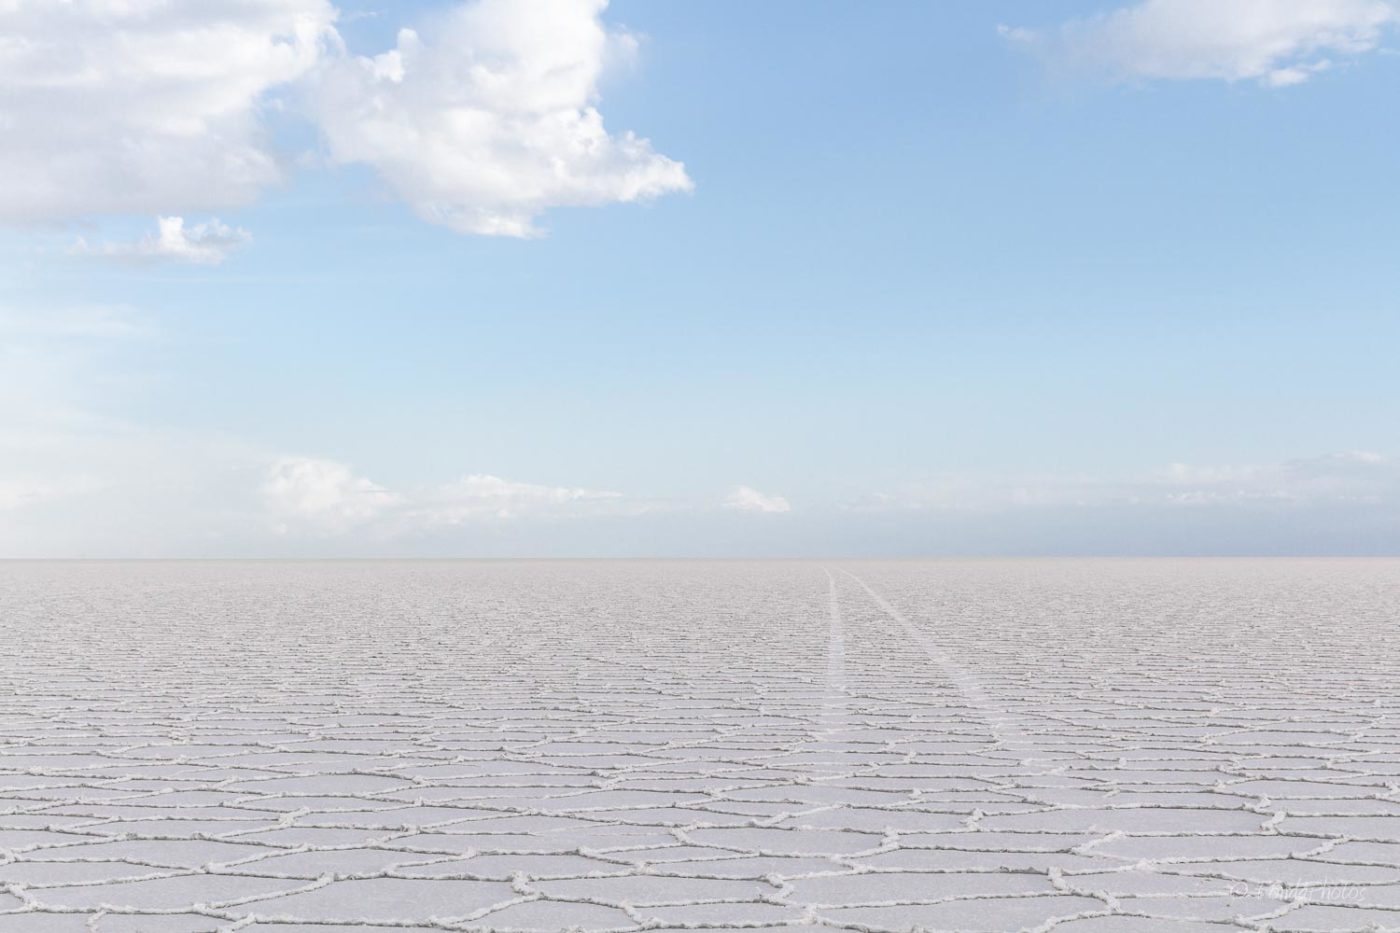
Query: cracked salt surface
[1078,746]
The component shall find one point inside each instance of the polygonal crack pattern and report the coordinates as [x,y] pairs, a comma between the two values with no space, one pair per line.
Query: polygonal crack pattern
[1059,745]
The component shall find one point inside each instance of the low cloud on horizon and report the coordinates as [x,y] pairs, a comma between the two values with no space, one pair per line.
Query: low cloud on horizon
[151,495]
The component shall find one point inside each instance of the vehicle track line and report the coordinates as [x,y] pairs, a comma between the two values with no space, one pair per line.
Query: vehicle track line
[998,722]
[837,700]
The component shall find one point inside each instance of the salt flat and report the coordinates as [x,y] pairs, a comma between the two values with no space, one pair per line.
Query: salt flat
[1069,745]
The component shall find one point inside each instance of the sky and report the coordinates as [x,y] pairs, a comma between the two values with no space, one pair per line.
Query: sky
[497,278]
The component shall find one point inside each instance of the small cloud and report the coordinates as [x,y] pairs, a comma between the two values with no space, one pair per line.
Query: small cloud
[326,496]
[1015,33]
[208,243]
[324,493]
[481,495]
[1275,43]
[748,499]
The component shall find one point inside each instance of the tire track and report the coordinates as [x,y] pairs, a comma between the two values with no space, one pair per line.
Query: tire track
[836,703]
[998,721]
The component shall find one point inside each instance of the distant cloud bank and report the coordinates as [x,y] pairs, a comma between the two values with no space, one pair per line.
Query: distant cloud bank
[77,481]
[1348,478]
[748,499]
[324,497]
[1274,42]
[208,243]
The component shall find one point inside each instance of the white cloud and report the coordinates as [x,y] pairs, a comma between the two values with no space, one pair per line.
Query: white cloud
[323,493]
[208,243]
[748,499]
[143,106]
[309,494]
[481,120]
[1275,42]
[489,118]
[1342,479]
[1355,477]
[481,495]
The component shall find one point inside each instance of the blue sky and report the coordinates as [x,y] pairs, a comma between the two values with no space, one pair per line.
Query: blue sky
[947,278]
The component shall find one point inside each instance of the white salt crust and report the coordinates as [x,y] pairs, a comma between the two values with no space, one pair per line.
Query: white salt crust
[961,746]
